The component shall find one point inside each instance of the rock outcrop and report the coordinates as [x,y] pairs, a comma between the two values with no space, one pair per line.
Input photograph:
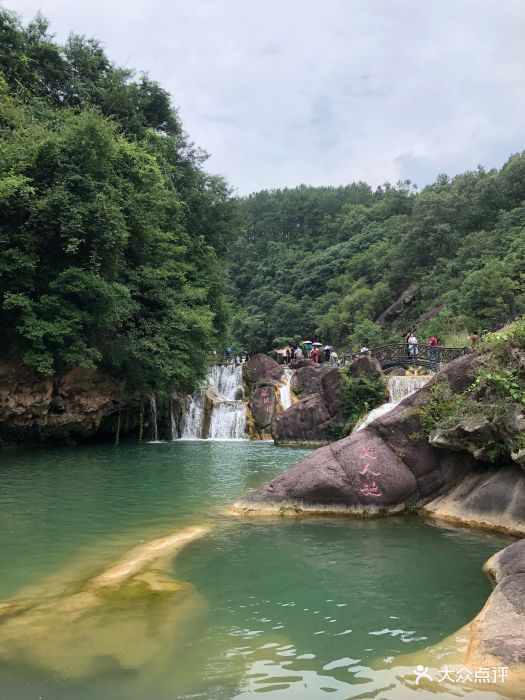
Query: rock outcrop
[261,368]
[390,466]
[309,420]
[397,307]
[504,610]
[480,437]
[75,405]
[262,378]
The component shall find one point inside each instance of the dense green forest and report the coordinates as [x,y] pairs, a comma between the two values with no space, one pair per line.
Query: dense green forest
[326,262]
[112,236]
[114,240]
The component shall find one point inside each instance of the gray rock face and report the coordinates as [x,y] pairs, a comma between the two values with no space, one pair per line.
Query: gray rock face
[261,367]
[263,406]
[261,376]
[477,435]
[397,307]
[309,420]
[472,434]
[363,364]
[499,630]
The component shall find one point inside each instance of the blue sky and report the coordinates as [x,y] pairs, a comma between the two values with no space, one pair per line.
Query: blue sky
[283,92]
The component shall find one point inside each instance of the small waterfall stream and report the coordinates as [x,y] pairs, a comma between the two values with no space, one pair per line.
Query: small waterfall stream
[153,407]
[228,416]
[193,416]
[228,421]
[399,388]
[226,379]
[284,391]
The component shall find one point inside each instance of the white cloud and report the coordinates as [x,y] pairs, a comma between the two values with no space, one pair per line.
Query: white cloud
[281,93]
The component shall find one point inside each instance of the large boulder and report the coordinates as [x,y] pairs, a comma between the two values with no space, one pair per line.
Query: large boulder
[497,634]
[307,380]
[364,364]
[260,368]
[309,421]
[263,406]
[388,465]
[305,422]
[262,378]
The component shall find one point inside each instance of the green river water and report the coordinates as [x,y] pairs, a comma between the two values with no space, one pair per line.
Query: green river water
[275,608]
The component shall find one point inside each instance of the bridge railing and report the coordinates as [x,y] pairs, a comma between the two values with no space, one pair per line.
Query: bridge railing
[420,354]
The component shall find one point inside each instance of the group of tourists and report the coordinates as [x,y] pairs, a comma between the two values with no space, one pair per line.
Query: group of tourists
[317,352]
[234,358]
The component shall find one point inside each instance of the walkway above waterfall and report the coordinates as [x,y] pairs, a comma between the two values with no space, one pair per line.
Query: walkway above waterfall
[429,356]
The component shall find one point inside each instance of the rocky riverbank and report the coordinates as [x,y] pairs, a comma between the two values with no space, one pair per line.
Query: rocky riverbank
[451,451]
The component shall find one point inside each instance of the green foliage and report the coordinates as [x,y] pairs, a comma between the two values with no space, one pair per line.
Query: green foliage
[322,261]
[443,409]
[366,333]
[504,383]
[360,395]
[112,236]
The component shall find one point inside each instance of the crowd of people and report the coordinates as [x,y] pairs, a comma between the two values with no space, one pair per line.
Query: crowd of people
[317,352]
[320,353]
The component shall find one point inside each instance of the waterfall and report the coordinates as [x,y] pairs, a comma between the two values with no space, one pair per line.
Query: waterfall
[226,379]
[284,391]
[173,418]
[153,406]
[399,388]
[193,416]
[228,421]
[228,414]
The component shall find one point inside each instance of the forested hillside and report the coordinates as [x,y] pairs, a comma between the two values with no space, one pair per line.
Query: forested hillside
[111,232]
[326,262]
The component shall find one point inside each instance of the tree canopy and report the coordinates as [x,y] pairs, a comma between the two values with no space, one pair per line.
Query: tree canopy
[112,235]
[327,261]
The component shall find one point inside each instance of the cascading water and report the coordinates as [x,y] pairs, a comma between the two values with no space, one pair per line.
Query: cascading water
[228,417]
[228,421]
[284,391]
[399,388]
[226,379]
[193,416]
[153,406]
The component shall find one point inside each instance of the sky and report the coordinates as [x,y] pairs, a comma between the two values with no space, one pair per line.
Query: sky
[324,92]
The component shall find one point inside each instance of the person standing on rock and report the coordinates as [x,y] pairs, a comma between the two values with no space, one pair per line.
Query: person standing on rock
[298,353]
[315,354]
[327,350]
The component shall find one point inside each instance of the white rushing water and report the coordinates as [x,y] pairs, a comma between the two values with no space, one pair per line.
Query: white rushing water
[193,416]
[399,388]
[284,391]
[153,407]
[228,418]
[226,379]
[228,421]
